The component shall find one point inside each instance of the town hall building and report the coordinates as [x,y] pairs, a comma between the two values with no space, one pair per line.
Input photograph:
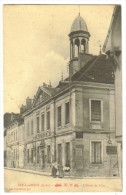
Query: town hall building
[74,122]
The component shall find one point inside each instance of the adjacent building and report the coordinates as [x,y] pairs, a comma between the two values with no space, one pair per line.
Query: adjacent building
[12,141]
[113,48]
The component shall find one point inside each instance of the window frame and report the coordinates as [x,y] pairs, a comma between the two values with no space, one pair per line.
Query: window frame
[97,99]
[48,154]
[101,152]
[32,155]
[28,156]
[42,124]
[47,120]
[38,155]
[67,153]
[65,112]
[38,124]
[58,116]
[32,132]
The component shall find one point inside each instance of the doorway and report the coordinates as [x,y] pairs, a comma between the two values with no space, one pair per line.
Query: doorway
[79,156]
[43,159]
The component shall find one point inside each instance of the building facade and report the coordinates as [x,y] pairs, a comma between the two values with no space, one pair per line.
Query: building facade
[113,48]
[12,142]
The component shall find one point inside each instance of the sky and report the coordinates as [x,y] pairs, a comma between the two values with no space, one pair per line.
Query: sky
[36,45]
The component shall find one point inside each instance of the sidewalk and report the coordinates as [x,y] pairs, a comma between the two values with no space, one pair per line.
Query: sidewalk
[29,171]
[43,173]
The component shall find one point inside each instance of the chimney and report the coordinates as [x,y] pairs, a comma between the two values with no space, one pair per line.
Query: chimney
[23,109]
[12,116]
[45,85]
[28,102]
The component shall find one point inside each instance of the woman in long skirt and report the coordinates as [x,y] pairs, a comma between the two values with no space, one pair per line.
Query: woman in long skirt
[54,169]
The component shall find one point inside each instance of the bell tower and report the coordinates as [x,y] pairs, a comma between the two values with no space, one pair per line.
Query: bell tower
[79,43]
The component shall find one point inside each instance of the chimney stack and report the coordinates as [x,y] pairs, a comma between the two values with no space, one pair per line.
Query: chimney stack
[23,109]
[28,102]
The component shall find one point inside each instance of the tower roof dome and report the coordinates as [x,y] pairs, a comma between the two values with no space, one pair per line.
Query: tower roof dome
[79,24]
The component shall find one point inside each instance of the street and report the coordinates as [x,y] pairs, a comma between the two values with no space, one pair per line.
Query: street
[16,181]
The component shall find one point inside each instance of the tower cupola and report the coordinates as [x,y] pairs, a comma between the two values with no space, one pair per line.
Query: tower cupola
[79,37]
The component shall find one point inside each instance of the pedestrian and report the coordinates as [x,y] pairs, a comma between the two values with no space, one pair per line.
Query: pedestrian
[54,169]
[61,171]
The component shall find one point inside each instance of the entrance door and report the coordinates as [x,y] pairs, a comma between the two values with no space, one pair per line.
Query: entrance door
[79,157]
[60,154]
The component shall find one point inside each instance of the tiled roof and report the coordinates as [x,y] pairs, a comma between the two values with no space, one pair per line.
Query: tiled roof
[51,90]
[100,70]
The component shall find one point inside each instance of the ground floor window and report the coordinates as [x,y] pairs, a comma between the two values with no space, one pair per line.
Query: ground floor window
[60,154]
[38,155]
[67,154]
[32,155]
[48,154]
[96,152]
[27,155]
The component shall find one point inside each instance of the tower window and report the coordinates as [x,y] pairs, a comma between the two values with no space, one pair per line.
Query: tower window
[83,48]
[76,48]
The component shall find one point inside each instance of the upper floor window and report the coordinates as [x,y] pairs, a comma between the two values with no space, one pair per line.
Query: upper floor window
[31,127]
[37,124]
[96,110]
[42,122]
[14,136]
[28,129]
[59,116]
[67,113]
[96,152]
[48,120]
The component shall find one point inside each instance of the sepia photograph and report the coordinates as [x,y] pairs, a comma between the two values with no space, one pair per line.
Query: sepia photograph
[62,89]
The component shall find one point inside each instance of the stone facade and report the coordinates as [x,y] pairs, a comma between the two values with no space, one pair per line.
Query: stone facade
[42,146]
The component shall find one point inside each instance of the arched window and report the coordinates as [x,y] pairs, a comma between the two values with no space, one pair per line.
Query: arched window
[83,46]
[76,48]
[71,49]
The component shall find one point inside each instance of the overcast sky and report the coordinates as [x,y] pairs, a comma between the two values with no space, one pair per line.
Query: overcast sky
[36,45]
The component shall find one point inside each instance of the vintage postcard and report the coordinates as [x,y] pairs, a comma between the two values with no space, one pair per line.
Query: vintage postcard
[62,79]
